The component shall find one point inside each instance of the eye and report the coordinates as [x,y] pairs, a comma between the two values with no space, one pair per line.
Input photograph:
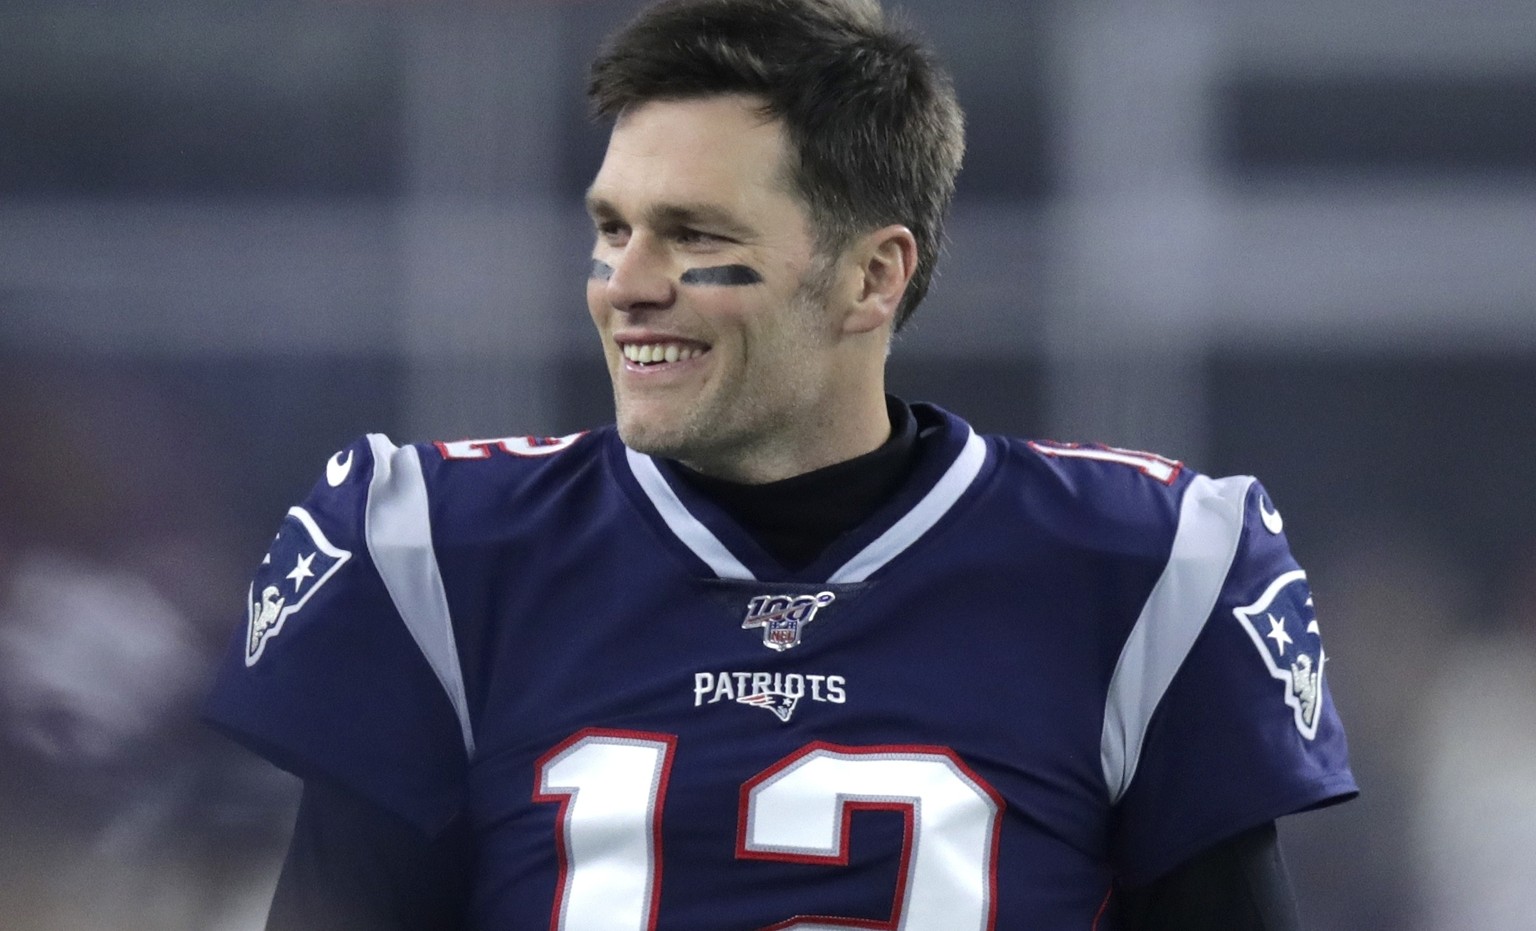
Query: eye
[692,237]
[612,231]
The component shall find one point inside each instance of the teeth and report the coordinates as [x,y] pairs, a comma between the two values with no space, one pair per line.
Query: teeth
[648,353]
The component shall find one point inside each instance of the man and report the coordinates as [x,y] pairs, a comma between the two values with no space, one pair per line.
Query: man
[779,651]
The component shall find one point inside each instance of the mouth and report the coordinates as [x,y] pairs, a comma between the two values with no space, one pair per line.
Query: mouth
[646,355]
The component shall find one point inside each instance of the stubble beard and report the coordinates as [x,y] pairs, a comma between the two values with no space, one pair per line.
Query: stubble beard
[718,430]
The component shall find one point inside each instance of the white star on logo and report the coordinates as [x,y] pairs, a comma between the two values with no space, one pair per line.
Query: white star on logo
[1277,633]
[301,571]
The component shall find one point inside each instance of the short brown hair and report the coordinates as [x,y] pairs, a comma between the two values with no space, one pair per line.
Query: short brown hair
[869,111]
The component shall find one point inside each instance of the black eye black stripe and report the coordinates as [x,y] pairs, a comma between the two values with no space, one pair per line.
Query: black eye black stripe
[731,276]
[722,275]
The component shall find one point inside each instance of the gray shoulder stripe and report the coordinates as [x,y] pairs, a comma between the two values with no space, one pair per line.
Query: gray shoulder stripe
[684,525]
[1210,528]
[918,521]
[398,527]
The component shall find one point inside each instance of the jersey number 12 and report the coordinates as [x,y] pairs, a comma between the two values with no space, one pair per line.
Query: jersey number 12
[612,786]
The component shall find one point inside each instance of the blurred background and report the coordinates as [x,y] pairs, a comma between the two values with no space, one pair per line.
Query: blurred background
[1296,240]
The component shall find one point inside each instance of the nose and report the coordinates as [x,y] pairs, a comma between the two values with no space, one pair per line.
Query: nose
[641,276]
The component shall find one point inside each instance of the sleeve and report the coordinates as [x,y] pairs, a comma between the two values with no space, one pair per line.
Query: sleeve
[1229,722]
[345,669]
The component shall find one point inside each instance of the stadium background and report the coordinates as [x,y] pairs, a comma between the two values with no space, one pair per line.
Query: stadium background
[1297,240]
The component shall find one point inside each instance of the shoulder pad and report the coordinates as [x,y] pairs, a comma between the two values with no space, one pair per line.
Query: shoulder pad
[1102,497]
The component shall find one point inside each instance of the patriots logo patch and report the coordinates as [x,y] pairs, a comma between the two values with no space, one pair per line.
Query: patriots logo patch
[782,704]
[783,617]
[1283,626]
[299,561]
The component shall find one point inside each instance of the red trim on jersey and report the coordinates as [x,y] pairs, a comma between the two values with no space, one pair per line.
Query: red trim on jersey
[908,812]
[474,449]
[1148,466]
[1103,907]
[524,447]
[563,799]
[841,858]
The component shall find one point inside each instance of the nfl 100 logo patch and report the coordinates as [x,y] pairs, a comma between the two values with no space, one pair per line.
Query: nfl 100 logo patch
[783,617]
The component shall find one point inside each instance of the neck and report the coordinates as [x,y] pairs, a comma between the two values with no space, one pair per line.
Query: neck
[831,438]
[795,520]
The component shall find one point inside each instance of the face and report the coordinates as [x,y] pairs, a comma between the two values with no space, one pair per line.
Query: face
[709,296]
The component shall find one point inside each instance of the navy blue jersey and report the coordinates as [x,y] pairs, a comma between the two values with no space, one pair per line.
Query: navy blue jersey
[1037,670]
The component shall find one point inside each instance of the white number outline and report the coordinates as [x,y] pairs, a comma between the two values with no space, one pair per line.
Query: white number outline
[1155,467]
[637,775]
[647,825]
[905,801]
[521,446]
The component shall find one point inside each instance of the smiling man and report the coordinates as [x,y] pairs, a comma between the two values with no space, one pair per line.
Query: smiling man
[1009,684]
[734,345]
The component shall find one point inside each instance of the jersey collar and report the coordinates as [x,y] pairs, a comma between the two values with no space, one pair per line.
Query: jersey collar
[951,459]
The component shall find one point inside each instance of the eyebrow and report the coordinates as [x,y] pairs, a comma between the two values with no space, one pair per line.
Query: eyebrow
[669,216]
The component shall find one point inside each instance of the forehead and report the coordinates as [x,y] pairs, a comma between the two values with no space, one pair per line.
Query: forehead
[718,153]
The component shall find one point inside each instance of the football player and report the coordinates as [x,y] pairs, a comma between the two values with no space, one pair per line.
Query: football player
[779,650]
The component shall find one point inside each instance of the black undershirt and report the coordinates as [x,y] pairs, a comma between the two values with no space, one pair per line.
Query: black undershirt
[353,866]
[795,519]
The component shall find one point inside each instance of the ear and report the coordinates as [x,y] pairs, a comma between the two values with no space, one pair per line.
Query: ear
[886,260]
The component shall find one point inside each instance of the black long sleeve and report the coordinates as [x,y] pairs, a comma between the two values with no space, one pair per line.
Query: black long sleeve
[1238,885]
[352,866]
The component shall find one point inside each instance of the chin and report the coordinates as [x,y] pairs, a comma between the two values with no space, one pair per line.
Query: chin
[655,425]
[643,435]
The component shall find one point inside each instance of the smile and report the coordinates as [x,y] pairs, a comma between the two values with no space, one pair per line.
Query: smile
[652,353]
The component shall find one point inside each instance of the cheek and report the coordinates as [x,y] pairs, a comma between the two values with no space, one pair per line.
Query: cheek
[597,301]
[776,341]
